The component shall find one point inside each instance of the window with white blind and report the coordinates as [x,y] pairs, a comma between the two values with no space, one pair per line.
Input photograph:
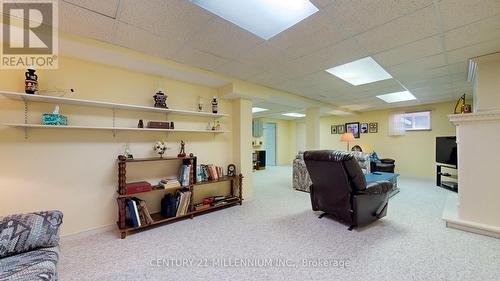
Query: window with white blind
[417,121]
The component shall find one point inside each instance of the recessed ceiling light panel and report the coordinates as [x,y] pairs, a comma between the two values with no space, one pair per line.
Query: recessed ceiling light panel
[294,114]
[397,97]
[264,18]
[360,72]
[258,109]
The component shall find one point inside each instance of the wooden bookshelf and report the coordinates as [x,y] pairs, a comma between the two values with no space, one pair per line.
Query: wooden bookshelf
[159,219]
[236,183]
[155,159]
[223,179]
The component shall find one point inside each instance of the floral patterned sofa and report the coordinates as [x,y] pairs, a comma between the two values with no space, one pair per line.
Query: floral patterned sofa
[301,179]
[29,246]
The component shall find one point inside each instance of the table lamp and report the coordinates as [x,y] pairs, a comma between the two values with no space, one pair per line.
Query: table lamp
[347,137]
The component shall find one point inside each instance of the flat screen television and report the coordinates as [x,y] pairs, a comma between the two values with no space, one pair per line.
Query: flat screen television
[446,150]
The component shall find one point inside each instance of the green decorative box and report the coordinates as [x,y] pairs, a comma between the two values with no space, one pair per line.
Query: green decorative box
[54,119]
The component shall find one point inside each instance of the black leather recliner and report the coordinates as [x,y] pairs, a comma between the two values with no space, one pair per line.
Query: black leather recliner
[339,188]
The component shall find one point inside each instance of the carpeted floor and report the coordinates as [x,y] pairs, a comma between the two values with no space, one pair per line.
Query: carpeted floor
[284,239]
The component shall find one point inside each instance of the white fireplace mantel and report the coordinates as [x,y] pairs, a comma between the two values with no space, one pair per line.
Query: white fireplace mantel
[457,119]
[477,205]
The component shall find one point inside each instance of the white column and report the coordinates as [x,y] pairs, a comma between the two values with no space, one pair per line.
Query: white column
[242,143]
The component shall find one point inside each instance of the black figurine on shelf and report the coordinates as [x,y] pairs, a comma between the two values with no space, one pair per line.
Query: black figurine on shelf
[140,124]
[160,100]
[215,105]
[31,81]
[182,153]
[172,125]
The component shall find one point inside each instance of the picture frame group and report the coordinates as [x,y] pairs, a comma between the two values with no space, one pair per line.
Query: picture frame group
[356,128]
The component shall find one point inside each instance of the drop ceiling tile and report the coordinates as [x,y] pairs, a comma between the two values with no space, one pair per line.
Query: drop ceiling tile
[238,70]
[107,8]
[456,13]
[224,39]
[322,3]
[266,56]
[79,21]
[401,31]
[432,82]
[357,107]
[459,67]
[175,20]
[419,49]
[418,66]
[459,77]
[134,38]
[340,53]
[475,50]
[321,79]
[475,33]
[410,77]
[309,35]
[268,78]
[362,15]
[380,86]
[190,56]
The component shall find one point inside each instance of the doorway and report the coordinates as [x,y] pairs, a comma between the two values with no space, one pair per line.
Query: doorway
[270,143]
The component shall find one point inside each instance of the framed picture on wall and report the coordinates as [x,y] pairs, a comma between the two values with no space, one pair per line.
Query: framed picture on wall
[373,128]
[334,129]
[340,129]
[364,128]
[353,128]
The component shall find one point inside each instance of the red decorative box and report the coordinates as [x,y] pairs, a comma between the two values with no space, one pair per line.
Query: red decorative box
[136,187]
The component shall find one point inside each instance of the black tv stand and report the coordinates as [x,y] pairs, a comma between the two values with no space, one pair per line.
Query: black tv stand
[450,185]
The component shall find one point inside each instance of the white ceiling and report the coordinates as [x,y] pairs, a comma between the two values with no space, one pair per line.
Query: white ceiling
[424,44]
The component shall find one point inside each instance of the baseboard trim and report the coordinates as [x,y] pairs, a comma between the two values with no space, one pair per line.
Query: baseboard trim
[472,229]
[453,220]
[90,232]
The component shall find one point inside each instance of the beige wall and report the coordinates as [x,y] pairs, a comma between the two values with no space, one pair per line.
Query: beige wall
[414,152]
[284,134]
[488,83]
[75,170]
[312,121]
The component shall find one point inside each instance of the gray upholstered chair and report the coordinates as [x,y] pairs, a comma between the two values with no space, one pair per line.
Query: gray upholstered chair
[301,179]
[29,246]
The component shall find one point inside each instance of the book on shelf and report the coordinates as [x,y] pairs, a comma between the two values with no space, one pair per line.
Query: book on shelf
[137,187]
[209,172]
[215,201]
[192,169]
[184,198]
[134,213]
[201,207]
[169,205]
[199,174]
[212,172]
[170,183]
[184,175]
[137,212]
[143,211]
